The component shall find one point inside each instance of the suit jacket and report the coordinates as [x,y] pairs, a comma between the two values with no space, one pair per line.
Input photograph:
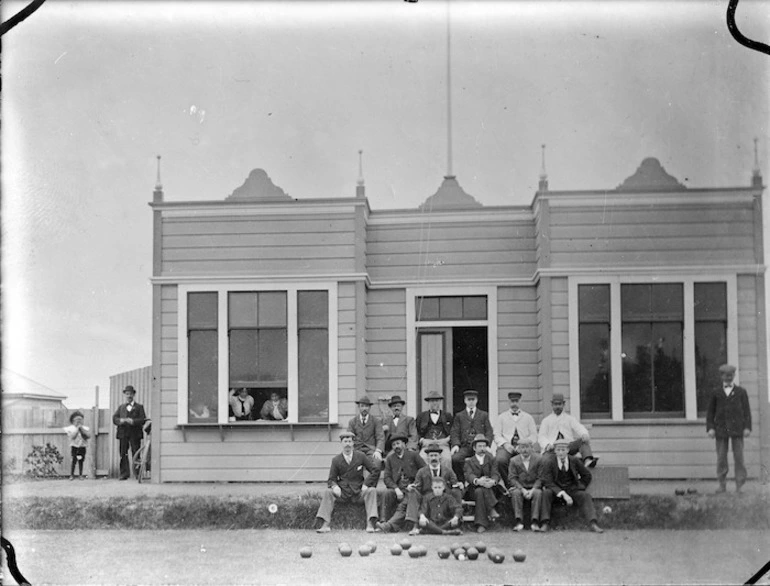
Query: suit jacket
[520,477]
[728,416]
[131,430]
[350,477]
[581,477]
[406,425]
[400,472]
[464,429]
[424,424]
[474,470]
[441,509]
[424,478]
[369,437]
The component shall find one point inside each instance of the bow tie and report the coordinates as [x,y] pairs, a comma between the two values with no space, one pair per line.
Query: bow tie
[515,412]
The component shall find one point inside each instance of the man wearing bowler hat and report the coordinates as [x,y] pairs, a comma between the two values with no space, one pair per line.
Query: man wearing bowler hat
[728,418]
[399,424]
[562,426]
[129,418]
[512,426]
[368,433]
[482,476]
[433,427]
[467,424]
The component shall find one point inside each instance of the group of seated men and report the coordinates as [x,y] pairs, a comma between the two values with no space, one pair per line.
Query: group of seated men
[431,463]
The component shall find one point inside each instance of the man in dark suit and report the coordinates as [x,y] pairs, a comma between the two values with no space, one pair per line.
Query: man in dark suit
[729,418]
[347,483]
[467,424]
[482,475]
[368,433]
[434,426]
[565,477]
[129,418]
[524,484]
[401,467]
[399,424]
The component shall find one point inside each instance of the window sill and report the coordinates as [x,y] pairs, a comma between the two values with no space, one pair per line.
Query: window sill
[701,421]
[224,427]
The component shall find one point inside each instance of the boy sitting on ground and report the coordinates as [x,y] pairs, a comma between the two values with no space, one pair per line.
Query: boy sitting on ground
[440,514]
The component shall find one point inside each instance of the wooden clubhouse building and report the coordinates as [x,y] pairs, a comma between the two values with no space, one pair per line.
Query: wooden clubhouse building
[625,300]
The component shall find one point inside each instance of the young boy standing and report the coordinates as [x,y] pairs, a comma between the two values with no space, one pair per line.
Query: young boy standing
[78,435]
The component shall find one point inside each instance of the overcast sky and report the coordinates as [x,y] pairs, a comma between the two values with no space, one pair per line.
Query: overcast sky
[93,91]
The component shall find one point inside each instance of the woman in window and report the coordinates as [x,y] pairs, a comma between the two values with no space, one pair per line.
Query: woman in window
[276,408]
[241,404]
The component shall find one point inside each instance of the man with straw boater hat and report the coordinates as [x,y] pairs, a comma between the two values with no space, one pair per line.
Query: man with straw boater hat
[129,418]
[434,426]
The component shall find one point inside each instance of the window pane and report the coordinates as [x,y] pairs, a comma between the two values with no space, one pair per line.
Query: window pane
[272,309]
[273,352]
[595,369]
[243,357]
[201,311]
[450,307]
[313,375]
[637,367]
[427,308]
[711,301]
[668,373]
[594,303]
[243,310]
[475,307]
[710,353]
[635,302]
[313,309]
[202,375]
[667,302]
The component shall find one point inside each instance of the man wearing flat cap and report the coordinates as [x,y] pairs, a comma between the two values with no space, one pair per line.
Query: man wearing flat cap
[467,424]
[399,424]
[402,497]
[562,426]
[129,418]
[728,418]
[512,426]
[433,427]
[348,483]
[368,433]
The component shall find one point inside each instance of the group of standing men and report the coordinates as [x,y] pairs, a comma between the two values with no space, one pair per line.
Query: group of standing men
[422,459]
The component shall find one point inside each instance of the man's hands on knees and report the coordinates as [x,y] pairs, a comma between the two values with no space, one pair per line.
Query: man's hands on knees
[336,491]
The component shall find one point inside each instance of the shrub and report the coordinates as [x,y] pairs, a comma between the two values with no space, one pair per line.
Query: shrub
[43,461]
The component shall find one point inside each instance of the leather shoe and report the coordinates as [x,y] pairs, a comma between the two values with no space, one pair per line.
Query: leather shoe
[518,527]
[534,527]
[545,527]
[595,528]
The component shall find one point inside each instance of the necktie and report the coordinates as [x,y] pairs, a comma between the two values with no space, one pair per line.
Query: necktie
[243,407]
[471,412]
[363,421]
[435,472]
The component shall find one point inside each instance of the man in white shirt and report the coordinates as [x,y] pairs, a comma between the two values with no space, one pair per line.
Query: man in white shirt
[511,427]
[562,426]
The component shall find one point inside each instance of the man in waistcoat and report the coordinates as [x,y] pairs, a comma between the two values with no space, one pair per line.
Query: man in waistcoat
[368,433]
[399,424]
[434,426]
[129,418]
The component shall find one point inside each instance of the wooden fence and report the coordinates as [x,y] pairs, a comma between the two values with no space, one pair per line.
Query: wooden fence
[25,428]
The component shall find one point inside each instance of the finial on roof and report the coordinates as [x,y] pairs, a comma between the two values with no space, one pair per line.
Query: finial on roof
[360,189]
[543,183]
[158,193]
[756,174]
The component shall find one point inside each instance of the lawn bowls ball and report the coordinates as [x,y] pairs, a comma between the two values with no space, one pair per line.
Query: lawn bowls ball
[472,553]
[481,547]
[345,550]
[396,549]
[364,551]
[459,553]
[405,544]
[423,551]
[498,557]
[372,546]
[454,546]
[306,552]
[414,552]
[466,546]
[443,552]
[519,556]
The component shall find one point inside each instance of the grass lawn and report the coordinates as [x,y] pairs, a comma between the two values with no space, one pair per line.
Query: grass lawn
[272,557]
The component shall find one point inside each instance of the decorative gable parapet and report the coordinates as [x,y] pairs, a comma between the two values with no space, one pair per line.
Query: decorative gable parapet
[258,186]
[449,196]
[651,176]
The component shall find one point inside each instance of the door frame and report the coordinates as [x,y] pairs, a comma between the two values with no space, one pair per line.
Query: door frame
[411,338]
